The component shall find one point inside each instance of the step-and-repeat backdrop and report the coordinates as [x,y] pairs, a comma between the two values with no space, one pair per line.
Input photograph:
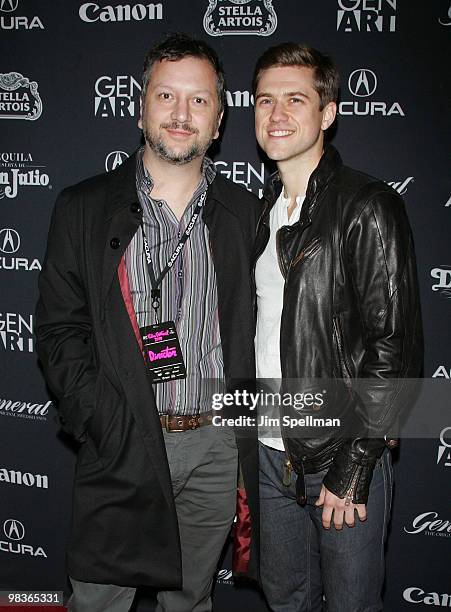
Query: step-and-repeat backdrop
[69,103]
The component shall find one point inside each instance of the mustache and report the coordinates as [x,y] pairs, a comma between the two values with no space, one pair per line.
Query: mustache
[176,125]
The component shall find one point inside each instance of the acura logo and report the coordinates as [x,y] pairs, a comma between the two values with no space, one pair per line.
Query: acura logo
[9,241]
[114,159]
[362,82]
[13,529]
[8,6]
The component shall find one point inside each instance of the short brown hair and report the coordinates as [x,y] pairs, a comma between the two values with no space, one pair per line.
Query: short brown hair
[326,80]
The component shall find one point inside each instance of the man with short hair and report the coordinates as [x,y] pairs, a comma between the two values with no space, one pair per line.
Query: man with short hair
[337,301]
[137,323]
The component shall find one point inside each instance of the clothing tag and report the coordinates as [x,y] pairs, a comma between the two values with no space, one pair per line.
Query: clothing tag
[162,352]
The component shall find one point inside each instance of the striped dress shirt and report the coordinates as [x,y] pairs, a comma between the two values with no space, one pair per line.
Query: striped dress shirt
[188,293]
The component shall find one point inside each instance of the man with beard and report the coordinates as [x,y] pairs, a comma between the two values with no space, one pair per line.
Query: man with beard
[137,323]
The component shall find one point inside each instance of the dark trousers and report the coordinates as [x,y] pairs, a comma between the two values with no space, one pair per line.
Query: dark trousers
[306,568]
[203,465]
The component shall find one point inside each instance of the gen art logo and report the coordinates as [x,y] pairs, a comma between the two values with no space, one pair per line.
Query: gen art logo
[366,15]
[444,448]
[244,173]
[16,332]
[11,21]
[362,84]
[240,17]
[116,96]
[19,97]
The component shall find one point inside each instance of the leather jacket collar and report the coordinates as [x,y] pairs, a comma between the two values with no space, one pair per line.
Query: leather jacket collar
[328,165]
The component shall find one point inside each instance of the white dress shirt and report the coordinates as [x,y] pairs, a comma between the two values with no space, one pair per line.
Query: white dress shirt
[270,286]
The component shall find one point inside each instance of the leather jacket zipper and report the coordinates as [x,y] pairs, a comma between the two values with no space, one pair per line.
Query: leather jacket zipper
[301,495]
[287,470]
[341,355]
[350,492]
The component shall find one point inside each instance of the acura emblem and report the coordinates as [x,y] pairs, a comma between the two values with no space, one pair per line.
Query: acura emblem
[8,6]
[114,159]
[362,82]
[9,241]
[13,529]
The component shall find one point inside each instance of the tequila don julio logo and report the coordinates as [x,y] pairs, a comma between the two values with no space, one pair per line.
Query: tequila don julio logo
[19,97]
[240,17]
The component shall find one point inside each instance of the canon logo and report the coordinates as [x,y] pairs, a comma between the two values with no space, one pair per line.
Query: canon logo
[416,595]
[90,12]
[24,478]
[429,521]
[239,98]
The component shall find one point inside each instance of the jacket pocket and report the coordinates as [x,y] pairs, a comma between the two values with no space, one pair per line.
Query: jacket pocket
[108,403]
[308,251]
[343,362]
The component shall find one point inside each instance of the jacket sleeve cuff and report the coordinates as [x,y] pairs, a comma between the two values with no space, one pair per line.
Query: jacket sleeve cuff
[351,472]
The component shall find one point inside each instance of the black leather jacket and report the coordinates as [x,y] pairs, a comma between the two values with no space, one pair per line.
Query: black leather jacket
[351,311]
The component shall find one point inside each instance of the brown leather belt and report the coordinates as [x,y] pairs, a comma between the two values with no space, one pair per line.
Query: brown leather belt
[186,422]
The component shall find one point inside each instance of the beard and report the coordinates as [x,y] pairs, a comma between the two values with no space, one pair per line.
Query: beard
[160,148]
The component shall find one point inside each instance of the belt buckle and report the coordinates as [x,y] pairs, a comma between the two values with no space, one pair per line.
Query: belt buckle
[169,427]
[193,422]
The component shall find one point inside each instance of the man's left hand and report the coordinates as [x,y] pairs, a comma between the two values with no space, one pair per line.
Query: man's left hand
[342,513]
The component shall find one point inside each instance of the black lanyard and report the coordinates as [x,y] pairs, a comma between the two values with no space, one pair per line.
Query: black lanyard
[156,282]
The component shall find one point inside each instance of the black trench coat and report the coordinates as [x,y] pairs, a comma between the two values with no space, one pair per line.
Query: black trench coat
[124,528]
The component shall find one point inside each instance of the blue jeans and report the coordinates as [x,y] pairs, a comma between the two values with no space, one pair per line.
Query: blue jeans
[306,568]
